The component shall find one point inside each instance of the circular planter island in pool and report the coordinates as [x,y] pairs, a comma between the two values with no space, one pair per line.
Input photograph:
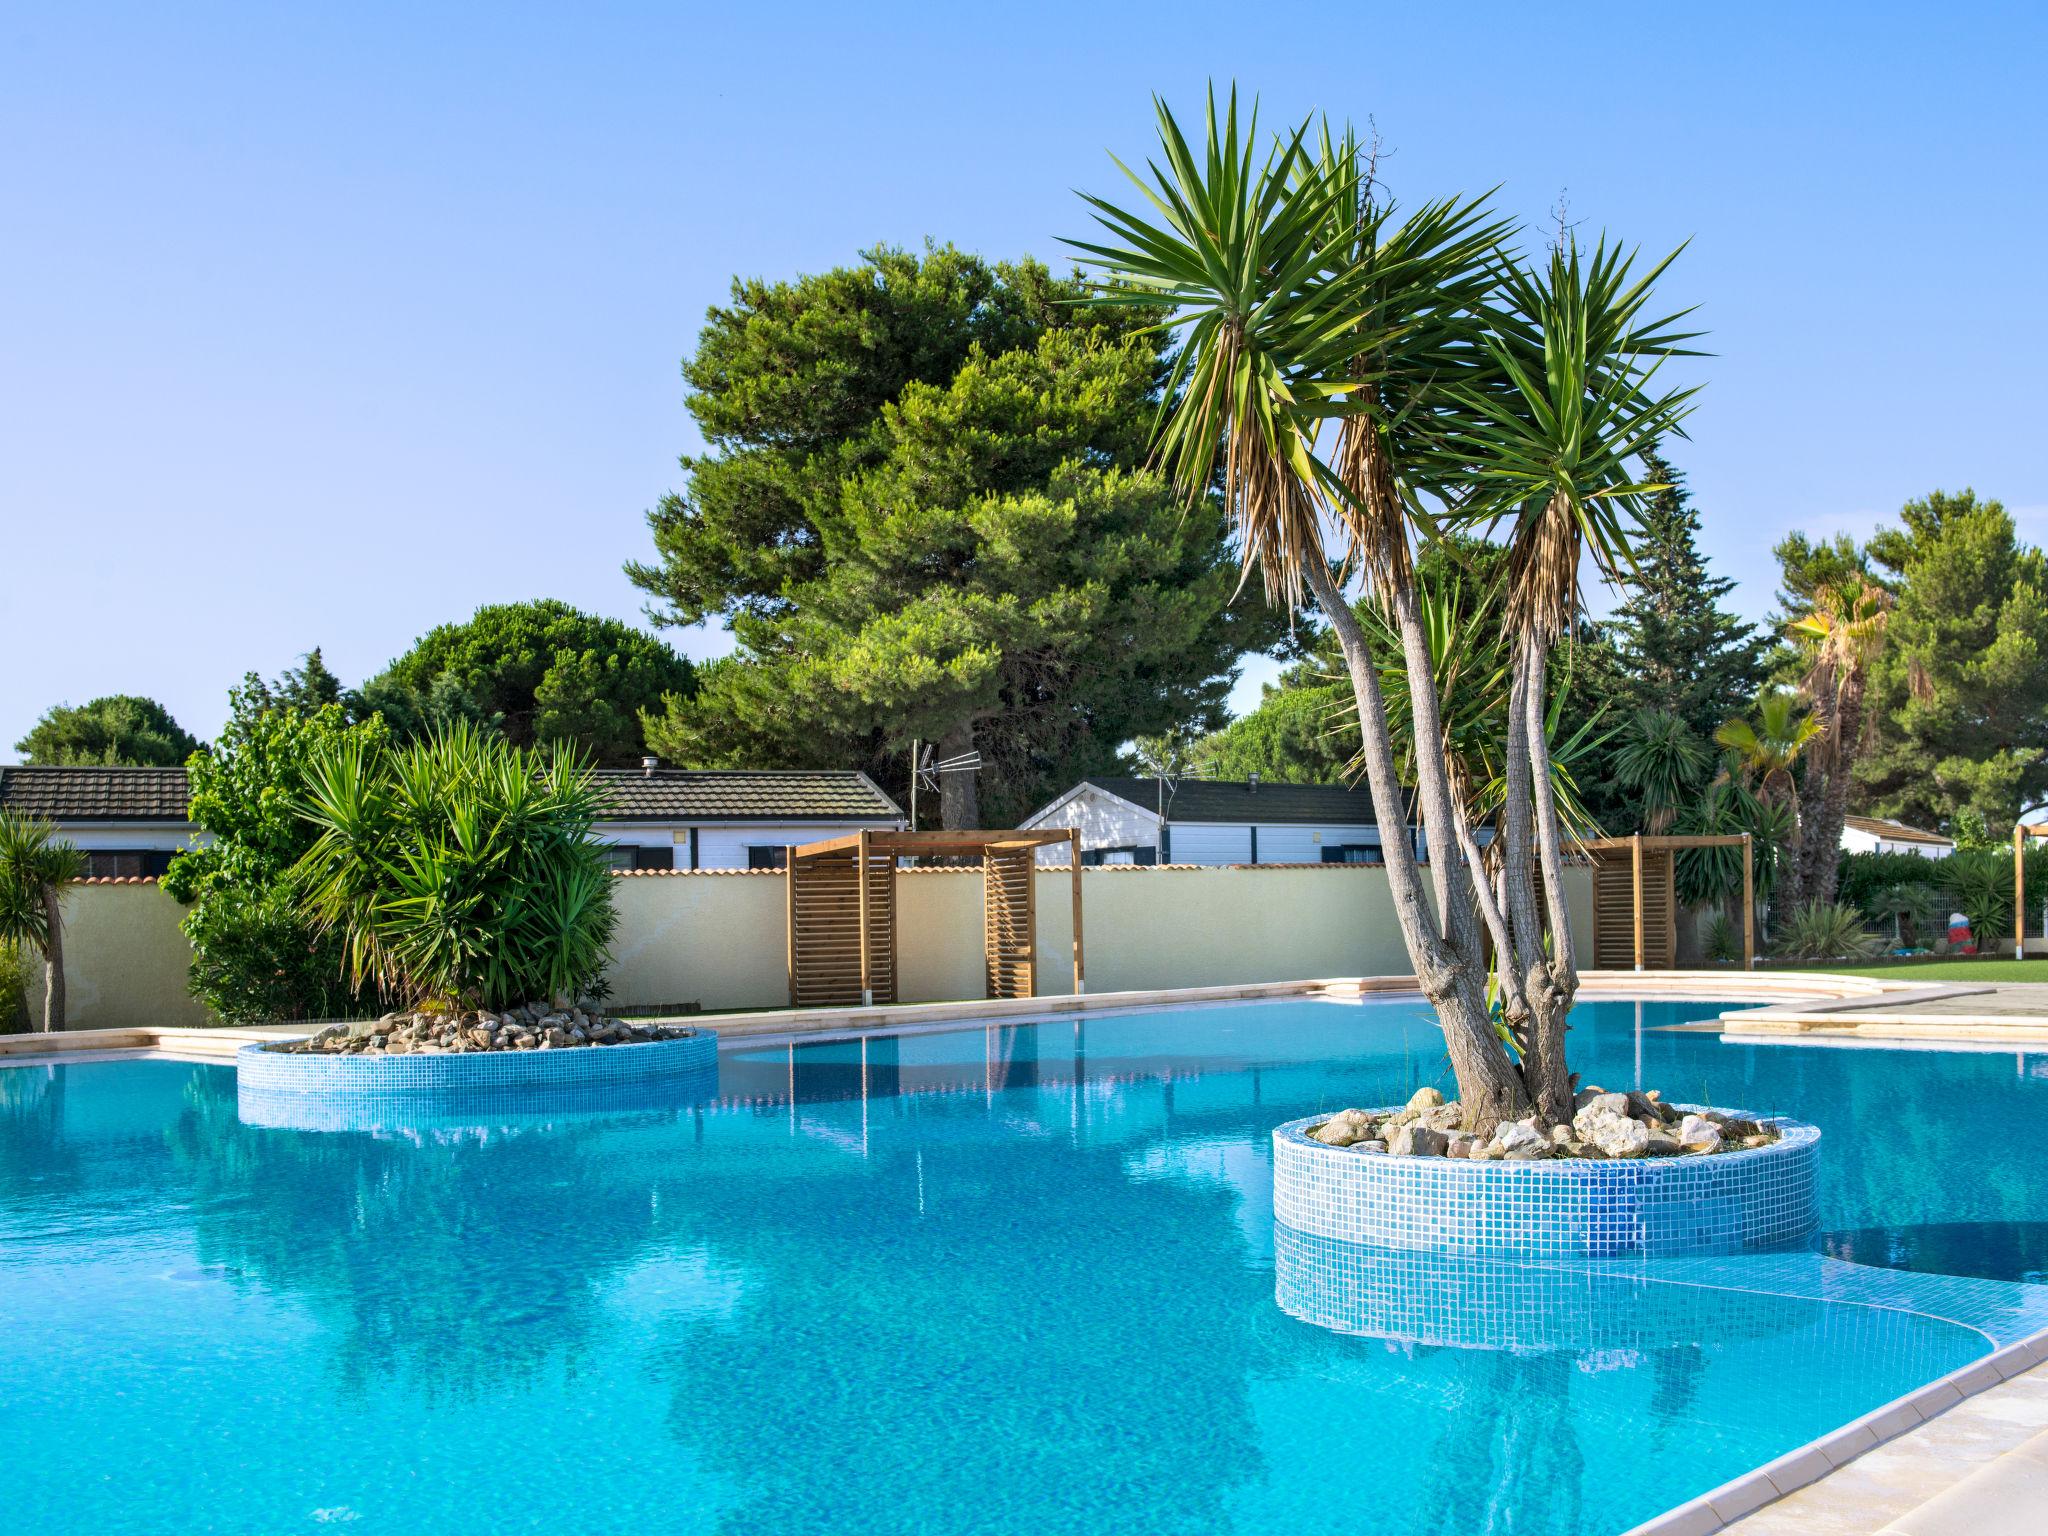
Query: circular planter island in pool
[319,1090]
[1549,1208]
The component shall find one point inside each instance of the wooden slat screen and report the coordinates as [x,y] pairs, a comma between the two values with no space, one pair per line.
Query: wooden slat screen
[825,930]
[1614,935]
[1009,922]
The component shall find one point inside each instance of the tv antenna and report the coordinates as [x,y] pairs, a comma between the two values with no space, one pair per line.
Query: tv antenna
[927,768]
[1171,762]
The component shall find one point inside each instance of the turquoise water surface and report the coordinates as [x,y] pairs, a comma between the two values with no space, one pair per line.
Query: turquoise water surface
[1007,1280]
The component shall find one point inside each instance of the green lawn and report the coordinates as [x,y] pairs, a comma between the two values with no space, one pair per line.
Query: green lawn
[1980,968]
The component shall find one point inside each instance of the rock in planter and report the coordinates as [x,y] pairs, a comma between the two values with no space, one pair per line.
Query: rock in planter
[1696,1133]
[1425,1098]
[1344,1128]
[1418,1141]
[1615,1135]
[1520,1140]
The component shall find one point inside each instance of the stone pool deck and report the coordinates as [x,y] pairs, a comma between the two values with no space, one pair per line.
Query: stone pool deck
[1977,1467]
[1973,1014]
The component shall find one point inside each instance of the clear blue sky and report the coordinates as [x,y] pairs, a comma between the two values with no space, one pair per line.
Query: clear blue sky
[319,326]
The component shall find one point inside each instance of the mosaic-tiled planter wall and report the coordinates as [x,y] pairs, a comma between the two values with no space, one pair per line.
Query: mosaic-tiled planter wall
[319,1092]
[1563,1208]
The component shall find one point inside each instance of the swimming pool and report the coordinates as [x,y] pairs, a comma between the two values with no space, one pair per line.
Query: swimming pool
[1019,1279]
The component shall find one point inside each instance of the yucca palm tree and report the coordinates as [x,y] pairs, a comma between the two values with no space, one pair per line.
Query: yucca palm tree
[1370,379]
[37,870]
[1764,751]
[1664,762]
[1841,636]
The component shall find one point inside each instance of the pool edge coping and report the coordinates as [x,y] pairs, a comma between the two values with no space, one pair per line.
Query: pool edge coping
[1820,1458]
[185,1041]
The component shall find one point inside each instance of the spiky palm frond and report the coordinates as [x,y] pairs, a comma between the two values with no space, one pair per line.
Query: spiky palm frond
[1576,405]
[1298,303]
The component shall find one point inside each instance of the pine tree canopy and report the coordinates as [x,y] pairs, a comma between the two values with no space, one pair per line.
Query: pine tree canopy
[928,516]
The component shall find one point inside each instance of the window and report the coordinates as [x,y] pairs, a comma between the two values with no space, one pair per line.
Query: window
[126,863]
[631,856]
[1351,853]
[767,856]
[1127,854]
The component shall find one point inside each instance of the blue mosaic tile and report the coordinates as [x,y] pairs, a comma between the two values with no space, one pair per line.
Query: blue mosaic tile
[318,1092]
[1562,1208]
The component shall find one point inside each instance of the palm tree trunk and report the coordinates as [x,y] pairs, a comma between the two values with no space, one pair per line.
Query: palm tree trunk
[1824,833]
[1447,971]
[1554,975]
[53,963]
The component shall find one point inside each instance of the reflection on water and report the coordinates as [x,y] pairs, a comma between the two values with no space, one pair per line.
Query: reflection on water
[1005,1280]
[1987,1250]
[1468,1303]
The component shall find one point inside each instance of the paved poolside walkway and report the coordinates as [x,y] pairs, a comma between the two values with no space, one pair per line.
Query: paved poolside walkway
[1983,1013]
[1978,1469]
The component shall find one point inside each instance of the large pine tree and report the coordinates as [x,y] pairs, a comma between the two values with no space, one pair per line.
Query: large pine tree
[927,515]
[1674,644]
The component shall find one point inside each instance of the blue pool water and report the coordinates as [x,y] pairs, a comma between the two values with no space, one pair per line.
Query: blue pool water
[1006,1280]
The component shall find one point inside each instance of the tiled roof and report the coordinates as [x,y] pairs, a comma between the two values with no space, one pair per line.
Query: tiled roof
[1896,831]
[96,794]
[717,794]
[1239,802]
[668,794]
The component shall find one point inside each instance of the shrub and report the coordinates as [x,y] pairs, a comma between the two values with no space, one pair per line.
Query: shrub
[459,871]
[1827,931]
[1866,877]
[255,955]
[1721,942]
[14,976]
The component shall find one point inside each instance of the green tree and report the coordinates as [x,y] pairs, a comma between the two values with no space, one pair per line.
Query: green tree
[37,870]
[1840,638]
[1764,752]
[1299,733]
[1960,690]
[254,955]
[983,564]
[121,729]
[539,671]
[1676,644]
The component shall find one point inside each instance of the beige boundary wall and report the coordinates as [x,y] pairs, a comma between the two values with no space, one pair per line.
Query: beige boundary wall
[716,940]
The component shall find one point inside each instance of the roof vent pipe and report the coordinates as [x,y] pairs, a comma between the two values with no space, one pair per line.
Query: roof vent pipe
[648,764]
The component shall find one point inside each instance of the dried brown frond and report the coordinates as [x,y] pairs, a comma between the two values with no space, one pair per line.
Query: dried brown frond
[1543,571]
[1374,523]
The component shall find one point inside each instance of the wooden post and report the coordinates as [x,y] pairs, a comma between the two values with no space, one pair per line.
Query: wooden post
[1074,856]
[2019,891]
[860,874]
[1636,852]
[1748,904]
[789,913]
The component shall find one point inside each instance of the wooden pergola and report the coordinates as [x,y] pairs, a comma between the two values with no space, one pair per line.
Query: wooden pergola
[1635,898]
[841,895]
[2020,834]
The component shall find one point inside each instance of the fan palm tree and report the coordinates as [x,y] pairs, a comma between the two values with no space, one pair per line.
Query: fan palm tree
[1351,376]
[1841,635]
[37,870]
[1764,751]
